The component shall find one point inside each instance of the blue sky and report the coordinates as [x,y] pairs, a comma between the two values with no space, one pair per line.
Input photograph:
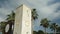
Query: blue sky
[45,8]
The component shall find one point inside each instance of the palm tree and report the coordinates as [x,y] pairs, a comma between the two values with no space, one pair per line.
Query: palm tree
[54,27]
[34,14]
[3,25]
[10,20]
[45,23]
[34,17]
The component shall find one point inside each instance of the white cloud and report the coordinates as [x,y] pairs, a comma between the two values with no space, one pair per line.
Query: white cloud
[1,19]
[43,9]
[5,11]
[49,10]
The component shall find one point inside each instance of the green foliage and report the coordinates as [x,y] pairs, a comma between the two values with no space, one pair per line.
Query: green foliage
[34,14]
[3,25]
[34,32]
[40,32]
[53,26]
[44,22]
[11,16]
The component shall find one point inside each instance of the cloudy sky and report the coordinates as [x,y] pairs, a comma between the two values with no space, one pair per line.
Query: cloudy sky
[45,8]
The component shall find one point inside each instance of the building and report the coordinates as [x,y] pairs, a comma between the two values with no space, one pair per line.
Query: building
[23,23]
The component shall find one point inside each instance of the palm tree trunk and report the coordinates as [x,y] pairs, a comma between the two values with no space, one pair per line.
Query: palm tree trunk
[10,28]
[55,31]
[45,31]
